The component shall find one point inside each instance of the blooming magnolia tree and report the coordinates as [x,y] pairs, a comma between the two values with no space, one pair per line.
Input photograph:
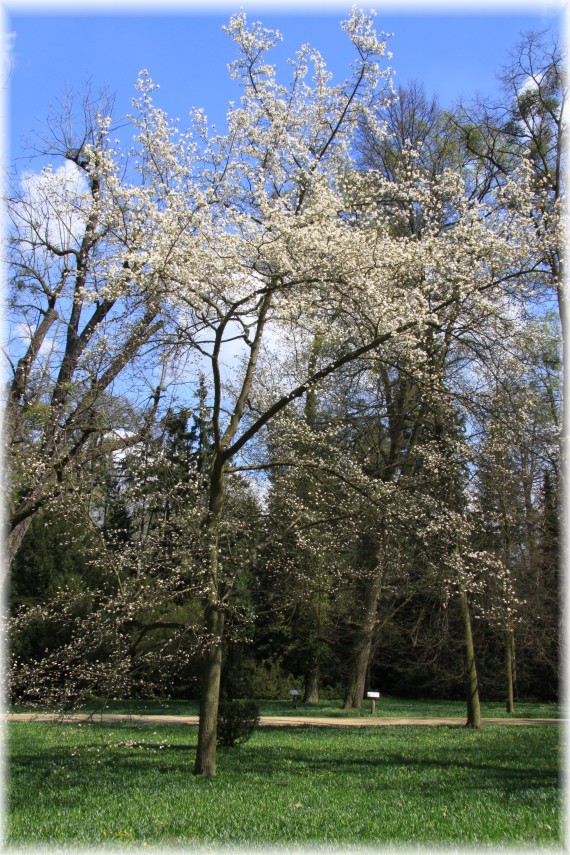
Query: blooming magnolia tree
[267,234]
[289,237]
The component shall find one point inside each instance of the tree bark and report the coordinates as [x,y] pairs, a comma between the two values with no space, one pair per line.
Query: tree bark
[356,682]
[15,538]
[473,703]
[311,694]
[207,731]
[214,624]
[509,670]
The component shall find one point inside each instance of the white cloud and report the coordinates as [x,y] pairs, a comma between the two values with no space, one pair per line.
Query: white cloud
[530,84]
[8,41]
[23,333]
[54,205]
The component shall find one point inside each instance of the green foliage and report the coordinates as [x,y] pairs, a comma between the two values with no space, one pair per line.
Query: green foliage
[270,680]
[339,787]
[236,721]
[58,550]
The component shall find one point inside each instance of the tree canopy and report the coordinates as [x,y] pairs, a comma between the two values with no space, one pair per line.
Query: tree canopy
[282,371]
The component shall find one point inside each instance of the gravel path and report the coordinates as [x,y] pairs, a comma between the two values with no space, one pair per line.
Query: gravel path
[280,721]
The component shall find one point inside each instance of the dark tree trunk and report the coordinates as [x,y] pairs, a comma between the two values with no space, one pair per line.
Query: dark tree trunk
[311,694]
[214,625]
[473,704]
[510,670]
[356,682]
[206,755]
[15,539]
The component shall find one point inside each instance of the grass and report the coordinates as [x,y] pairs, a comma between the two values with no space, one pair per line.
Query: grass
[89,784]
[394,707]
[385,707]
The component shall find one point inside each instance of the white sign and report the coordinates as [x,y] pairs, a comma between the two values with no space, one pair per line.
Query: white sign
[373,694]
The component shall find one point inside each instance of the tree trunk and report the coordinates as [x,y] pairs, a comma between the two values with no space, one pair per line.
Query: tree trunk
[15,539]
[214,624]
[360,657]
[207,731]
[311,694]
[356,683]
[473,704]
[312,620]
[509,670]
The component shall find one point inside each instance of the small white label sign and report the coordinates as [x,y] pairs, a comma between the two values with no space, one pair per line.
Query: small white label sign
[373,694]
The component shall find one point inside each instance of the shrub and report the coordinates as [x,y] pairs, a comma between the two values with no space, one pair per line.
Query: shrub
[270,680]
[236,721]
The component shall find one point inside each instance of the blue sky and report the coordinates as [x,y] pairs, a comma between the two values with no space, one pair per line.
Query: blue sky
[454,53]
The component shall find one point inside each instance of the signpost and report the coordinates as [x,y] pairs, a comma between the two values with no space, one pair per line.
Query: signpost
[294,696]
[374,696]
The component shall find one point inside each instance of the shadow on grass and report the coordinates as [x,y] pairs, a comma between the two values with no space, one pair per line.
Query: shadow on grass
[482,769]
[124,771]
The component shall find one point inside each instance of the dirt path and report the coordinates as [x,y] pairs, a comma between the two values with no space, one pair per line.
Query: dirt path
[279,721]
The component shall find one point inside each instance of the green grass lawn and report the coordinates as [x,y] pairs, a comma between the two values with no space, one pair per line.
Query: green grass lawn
[394,707]
[90,783]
